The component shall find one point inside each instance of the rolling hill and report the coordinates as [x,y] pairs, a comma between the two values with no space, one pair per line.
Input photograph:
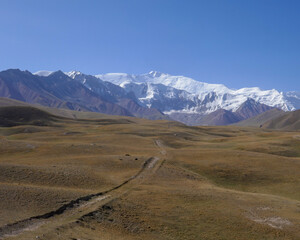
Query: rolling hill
[289,121]
[61,112]
[128,178]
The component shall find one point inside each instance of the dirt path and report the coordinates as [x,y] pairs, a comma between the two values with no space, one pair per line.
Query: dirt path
[73,210]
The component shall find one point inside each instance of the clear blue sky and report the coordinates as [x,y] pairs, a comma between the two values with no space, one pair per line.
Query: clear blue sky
[239,43]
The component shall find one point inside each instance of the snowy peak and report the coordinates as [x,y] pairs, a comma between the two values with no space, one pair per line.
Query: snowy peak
[73,74]
[293,99]
[251,108]
[43,73]
[116,78]
[212,96]
[155,74]
[179,82]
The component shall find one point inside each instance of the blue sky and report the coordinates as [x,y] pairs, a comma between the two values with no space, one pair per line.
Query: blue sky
[239,43]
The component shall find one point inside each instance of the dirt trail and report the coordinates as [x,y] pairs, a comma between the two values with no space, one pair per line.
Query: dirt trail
[73,210]
[160,145]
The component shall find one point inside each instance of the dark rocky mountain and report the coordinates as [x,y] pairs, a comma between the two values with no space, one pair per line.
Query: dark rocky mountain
[142,112]
[25,87]
[248,109]
[60,91]
[251,108]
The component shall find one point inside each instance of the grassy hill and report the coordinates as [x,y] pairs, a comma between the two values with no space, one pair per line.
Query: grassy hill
[6,102]
[56,111]
[129,178]
[24,115]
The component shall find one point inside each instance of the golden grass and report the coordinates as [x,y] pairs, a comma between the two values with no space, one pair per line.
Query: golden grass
[215,183]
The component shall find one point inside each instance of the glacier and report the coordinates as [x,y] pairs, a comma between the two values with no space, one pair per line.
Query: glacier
[195,96]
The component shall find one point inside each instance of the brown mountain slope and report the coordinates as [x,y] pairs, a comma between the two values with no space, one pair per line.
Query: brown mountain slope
[260,119]
[220,117]
[248,109]
[289,121]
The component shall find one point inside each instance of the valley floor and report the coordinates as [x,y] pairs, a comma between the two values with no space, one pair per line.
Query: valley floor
[128,178]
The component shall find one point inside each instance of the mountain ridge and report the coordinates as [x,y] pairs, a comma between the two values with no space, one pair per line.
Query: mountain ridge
[188,101]
[201,90]
[60,91]
[153,95]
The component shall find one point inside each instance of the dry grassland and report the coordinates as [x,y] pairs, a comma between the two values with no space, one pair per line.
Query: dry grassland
[205,183]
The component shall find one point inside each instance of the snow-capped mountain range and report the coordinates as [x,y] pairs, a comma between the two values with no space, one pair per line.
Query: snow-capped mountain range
[175,95]
[151,85]
[206,97]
